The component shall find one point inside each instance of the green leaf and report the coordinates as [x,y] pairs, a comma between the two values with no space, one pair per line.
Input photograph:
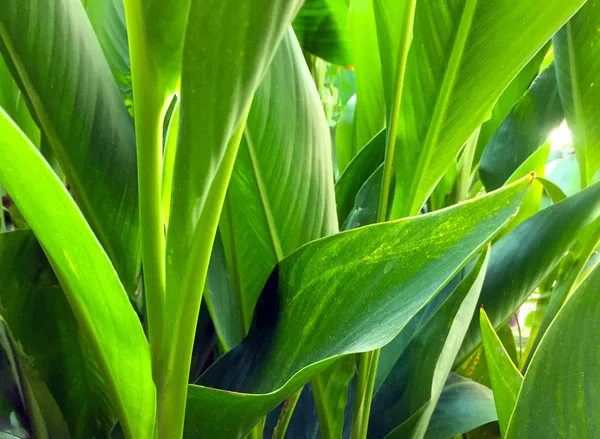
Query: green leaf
[369,116]
[406,400]
[108,20]
[554,192]
[17,372]
[536,164]
[463,406]
[397,266]
[90,282]
[513,93]
[564,172]
[506,378]
[41,320]
[345,147]
[521,260]
[577,58]
[459,64]
[559,396]
[74,98]
[216,93]
[13,102]
[273,204]
[366,204]
[322,29]
[364,164]
[524,130]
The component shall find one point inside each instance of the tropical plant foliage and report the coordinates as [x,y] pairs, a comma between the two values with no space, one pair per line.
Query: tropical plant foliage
[299,219]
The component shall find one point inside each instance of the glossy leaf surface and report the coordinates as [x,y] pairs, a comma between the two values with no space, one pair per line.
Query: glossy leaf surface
[523,258]
[398,266]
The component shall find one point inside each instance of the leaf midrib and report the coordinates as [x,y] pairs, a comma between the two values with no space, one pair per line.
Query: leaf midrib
[441,105]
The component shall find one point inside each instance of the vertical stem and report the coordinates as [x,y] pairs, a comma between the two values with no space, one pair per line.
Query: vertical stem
[463,181]
[149,107]
[368,361]
[286,416]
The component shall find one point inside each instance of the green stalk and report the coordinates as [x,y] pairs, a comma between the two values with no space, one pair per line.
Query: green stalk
[463,181]
[176,353]
[286,416]
[368,360]
[150,108]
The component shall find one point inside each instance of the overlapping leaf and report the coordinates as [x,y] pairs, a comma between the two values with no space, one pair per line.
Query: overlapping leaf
[41,321]
[460,62]
[523,258]
[310,302]
[322,29]
[274,205]
[524,130]
[58,63]
[577,57]
[564,401]
[406,400]
[91,285]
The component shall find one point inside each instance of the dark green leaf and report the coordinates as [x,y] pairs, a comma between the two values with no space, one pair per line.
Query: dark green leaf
[463,406]
[524,130]
[322,29]
[309,303]
[523,258]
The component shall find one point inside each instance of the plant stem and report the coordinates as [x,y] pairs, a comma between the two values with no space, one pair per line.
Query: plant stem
[368,360]
[286,415]
[463,180]
[176,352]
[149,107]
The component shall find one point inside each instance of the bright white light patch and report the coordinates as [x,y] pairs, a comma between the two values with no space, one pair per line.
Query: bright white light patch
[561,137]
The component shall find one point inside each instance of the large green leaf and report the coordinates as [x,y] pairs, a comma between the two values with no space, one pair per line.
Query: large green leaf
[311,300]
[523,258]
[55,56]
[506,378]
[41,320]
[274,205]
[460,62]
[90,282]
[216,93]
[463,406]
[523,131]
[406,400]
[577,57]
[559,396]
[322,29]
